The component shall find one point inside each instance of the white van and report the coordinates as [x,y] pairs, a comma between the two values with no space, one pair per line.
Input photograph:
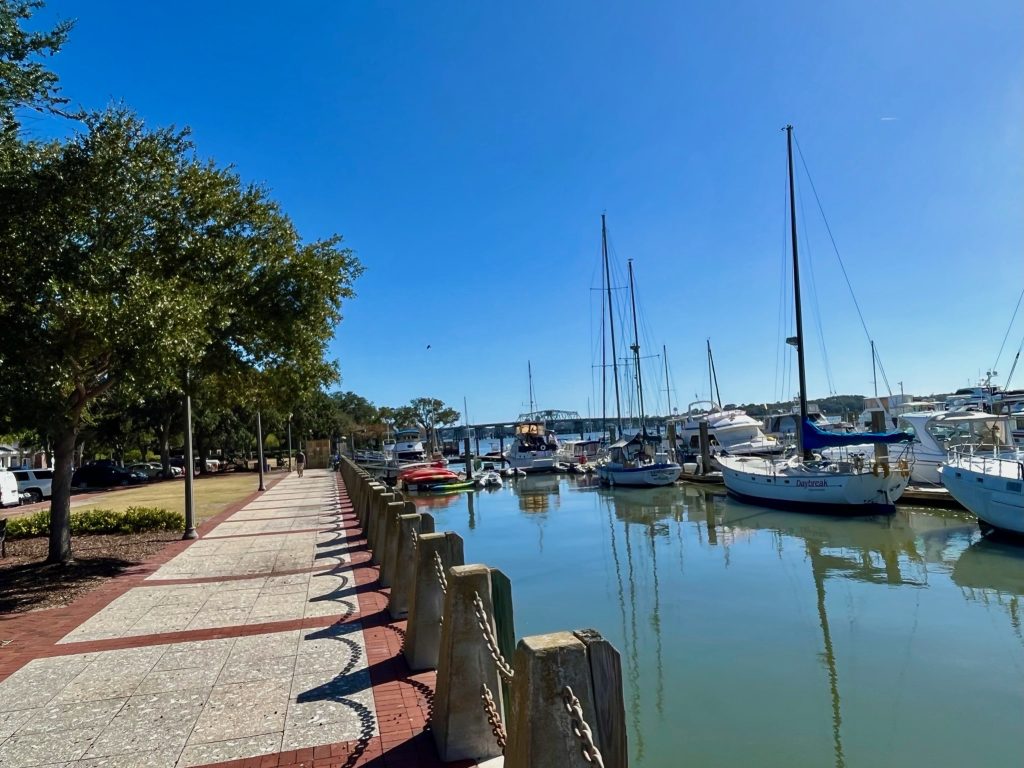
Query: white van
[10,496]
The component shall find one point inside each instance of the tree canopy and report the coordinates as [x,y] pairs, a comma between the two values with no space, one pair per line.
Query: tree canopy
[24,79]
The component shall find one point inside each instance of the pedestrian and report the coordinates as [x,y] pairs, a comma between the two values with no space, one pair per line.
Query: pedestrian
[300,462]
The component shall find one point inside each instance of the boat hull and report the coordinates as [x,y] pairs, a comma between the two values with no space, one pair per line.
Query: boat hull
[796,487]
[996,499]
[650,476]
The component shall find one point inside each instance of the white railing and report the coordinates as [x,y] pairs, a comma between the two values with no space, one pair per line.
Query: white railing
[1001,462]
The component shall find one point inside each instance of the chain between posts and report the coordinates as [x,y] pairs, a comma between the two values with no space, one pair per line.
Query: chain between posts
[580,728]
[504,668]
[442,579]
[493,718]
[415,539]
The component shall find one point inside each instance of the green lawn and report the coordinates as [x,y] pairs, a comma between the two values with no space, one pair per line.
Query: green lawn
[212,494]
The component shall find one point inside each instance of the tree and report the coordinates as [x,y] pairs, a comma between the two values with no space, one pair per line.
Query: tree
[129,262]
[24,81]
[433,413]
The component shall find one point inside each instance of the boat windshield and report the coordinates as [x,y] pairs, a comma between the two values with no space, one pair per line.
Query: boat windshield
[985,433]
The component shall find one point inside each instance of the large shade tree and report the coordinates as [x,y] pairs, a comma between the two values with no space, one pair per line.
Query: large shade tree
[129,262]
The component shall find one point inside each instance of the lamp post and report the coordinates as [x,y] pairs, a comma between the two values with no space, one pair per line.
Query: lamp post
[259,437]
[190,514]
[291,466]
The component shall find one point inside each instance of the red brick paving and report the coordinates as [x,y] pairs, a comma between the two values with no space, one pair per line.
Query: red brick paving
[401,698]
[32,635]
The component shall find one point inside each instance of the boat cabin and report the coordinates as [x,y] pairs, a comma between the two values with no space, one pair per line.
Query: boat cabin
[533,436]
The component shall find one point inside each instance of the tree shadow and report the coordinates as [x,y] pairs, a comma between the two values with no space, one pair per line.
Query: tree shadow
[25,586]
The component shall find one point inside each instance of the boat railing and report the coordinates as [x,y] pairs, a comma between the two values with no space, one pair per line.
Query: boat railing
[998,460]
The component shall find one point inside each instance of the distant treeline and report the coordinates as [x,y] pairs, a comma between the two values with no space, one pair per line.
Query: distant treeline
[835,405]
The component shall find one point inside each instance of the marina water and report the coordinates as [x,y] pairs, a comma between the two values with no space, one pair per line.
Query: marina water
[756,637]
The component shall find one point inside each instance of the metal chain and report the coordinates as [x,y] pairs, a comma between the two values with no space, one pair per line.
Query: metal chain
[504,669]
[439,567]
[493,718]
[580,728]
[415,539]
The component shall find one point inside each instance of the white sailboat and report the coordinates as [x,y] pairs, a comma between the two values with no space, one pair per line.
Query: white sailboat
[804,483]
[639,460]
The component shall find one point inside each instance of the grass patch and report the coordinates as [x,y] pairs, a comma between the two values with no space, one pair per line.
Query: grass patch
[97,521]
[212,495]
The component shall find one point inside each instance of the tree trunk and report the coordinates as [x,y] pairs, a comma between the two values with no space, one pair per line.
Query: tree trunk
[60,501]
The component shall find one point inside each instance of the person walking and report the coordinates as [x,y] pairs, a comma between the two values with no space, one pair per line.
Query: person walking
[300,462]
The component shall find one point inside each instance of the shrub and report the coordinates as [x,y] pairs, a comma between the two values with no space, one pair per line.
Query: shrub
[95,521]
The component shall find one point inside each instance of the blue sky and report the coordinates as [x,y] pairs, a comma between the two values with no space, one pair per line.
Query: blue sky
[467,150]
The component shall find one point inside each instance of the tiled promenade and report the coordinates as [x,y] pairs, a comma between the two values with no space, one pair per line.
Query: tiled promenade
[264,643]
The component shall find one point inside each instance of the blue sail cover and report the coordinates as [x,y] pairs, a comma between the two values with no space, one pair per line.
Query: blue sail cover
[815,438]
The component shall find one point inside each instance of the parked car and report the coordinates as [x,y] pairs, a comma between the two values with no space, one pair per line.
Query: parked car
[102,476]
[9,494]
[35,483]
[152,469]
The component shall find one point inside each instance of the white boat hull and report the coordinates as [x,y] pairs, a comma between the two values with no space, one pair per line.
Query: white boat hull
[991,489]
[539,461]
[649,476]
[832,487]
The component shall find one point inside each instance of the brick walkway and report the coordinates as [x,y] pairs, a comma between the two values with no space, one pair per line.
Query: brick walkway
[266,642]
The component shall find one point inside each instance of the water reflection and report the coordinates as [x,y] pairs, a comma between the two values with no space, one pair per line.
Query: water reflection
[757,637]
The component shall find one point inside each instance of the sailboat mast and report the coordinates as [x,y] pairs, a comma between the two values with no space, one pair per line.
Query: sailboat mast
[611,323]
[636,350]
[529,372]
[874,374]
[668,389]
[717,396]
[604,361]
[796,298]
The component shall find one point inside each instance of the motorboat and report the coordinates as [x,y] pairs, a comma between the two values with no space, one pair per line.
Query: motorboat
[785,426]
[489,478]
[892,407]
[804,483]
[989,484]
[576,452]
[533,448]
[731,431]
[407,446]
[634,462]
[935,433]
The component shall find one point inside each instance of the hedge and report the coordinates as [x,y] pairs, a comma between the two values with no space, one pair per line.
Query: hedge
[132,520]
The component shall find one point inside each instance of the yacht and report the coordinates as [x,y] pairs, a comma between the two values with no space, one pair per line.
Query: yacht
[893,407]
[731,431]
[579,452]
[533,449]
[935,433]
[407,446]
[989,484]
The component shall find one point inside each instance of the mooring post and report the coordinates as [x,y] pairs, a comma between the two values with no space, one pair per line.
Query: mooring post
[426,601]
[705,448]
[881,449]
[673,453]
[392,510]
[469,458]
[541,726]
[459,721]
[412,527]
[391,537]
[378,507]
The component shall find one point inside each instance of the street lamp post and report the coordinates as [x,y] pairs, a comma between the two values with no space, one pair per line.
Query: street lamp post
[259,437]
[190,514]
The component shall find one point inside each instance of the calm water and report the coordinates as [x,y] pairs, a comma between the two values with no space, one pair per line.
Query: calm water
[755,637]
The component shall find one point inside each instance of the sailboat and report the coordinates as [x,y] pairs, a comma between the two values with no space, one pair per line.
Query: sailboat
[639,460]
[804,483]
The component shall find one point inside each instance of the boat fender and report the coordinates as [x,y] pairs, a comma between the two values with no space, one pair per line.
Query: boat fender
[874,468]
[904,468]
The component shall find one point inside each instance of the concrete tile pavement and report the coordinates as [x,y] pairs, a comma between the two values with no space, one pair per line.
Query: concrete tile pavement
[176,667]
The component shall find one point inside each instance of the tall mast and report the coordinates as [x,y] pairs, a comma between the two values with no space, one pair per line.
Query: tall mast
[796,298]
[668,389]
[604,362]
[529,371]
[874,374]
[611,323]
[716,394]
[636,351]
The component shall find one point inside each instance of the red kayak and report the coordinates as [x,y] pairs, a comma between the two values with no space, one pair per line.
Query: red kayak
[421,475]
